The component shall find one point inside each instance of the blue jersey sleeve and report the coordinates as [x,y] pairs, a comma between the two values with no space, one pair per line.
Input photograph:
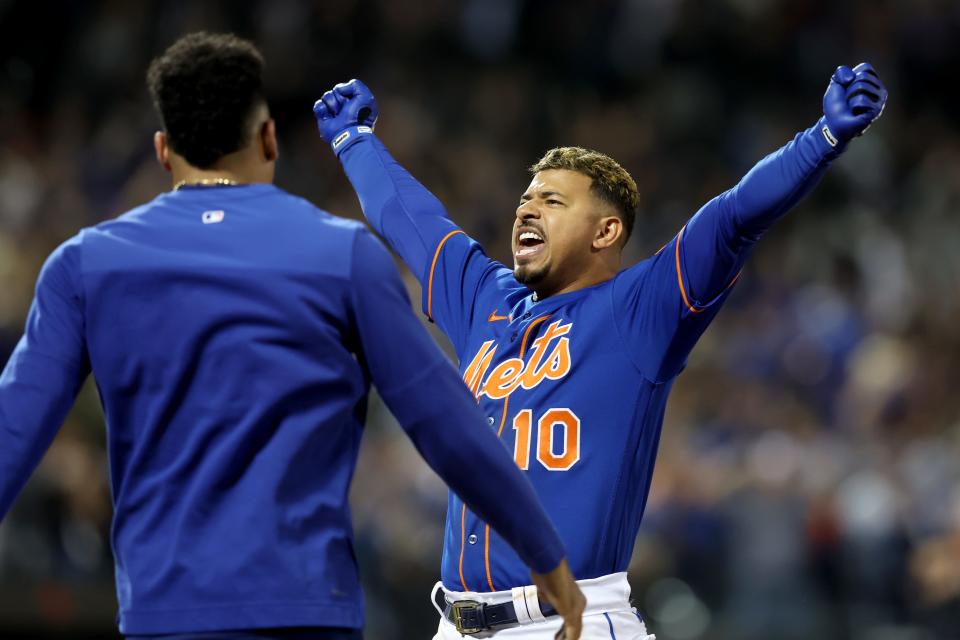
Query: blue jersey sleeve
[431,403]
[41,380]
[675,294]
[451,266]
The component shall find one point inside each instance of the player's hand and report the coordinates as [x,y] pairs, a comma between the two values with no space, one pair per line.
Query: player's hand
[559,589]
[854,99]
[349,104]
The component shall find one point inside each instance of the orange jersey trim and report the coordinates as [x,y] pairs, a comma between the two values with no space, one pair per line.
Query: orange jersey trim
[433,266]
[463,516]
[503,422]
[526,334]
[503,418]
[683,291]
[486,556]
[486,531]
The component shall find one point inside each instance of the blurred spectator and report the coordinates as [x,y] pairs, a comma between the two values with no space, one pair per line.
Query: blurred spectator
[808,483]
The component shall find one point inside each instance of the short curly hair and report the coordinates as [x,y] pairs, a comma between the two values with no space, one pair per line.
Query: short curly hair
[206,88]
[611,182]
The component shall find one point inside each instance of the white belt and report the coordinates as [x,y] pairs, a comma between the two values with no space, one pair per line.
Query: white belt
[604,594]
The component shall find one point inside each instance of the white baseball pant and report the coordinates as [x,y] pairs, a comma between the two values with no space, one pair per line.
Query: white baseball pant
[608,614]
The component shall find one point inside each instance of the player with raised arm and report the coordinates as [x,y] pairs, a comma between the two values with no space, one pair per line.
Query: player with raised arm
[570,356]
[233,330]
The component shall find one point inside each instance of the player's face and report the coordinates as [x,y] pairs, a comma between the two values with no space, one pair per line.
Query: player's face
[554,229]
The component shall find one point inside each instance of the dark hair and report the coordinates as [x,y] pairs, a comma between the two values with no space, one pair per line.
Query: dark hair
[206,87]
[611,182]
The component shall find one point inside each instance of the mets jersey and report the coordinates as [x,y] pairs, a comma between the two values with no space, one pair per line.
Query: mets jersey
[574,385]
[234,333]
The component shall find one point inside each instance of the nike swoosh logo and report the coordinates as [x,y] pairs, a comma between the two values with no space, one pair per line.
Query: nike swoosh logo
[493,317]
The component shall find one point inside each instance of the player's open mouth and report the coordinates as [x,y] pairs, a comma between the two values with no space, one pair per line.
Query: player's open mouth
[529,244]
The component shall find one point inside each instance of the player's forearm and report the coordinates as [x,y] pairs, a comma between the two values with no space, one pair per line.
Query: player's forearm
[35,395]
[716,241]
[778,182]
[400,208]
[448,429]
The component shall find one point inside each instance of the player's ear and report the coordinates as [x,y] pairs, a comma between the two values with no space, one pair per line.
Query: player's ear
[609,232]
[268,140]
[162,150]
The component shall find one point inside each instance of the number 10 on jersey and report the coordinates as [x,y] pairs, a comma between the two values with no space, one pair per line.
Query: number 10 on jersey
[556,426]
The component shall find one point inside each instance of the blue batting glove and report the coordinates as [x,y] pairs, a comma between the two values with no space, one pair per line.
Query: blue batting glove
[855,98]
[345,114]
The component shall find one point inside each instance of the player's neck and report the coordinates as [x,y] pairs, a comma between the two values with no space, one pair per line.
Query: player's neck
[584,280]
[207,176]
[239,167]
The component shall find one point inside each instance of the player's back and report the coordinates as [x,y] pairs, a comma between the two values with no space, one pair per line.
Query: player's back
[219,332]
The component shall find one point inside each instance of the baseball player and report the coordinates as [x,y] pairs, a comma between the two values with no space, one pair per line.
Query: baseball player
[233,330]
[570,356]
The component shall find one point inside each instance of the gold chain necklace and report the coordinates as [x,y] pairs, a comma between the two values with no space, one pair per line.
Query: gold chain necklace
[207,182]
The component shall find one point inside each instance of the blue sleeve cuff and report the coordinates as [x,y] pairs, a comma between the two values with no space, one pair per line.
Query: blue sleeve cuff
[349,137]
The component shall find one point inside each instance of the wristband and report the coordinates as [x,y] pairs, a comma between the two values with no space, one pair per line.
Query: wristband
[828,135]
[348,137]
[826,141]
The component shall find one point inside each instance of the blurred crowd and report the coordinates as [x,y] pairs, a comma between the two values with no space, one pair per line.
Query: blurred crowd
[808,480]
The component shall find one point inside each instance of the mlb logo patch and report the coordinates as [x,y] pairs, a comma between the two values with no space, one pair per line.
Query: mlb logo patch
[212,217]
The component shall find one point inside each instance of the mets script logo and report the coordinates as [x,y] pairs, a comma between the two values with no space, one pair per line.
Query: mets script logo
[549,360]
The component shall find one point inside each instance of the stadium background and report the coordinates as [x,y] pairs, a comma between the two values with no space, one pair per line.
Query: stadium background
[807,482]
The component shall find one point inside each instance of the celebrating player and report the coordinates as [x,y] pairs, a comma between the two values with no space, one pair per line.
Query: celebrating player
[232,329]
[570,357]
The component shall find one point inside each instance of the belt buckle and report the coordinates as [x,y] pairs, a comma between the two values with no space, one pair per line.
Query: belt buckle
[457,609]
